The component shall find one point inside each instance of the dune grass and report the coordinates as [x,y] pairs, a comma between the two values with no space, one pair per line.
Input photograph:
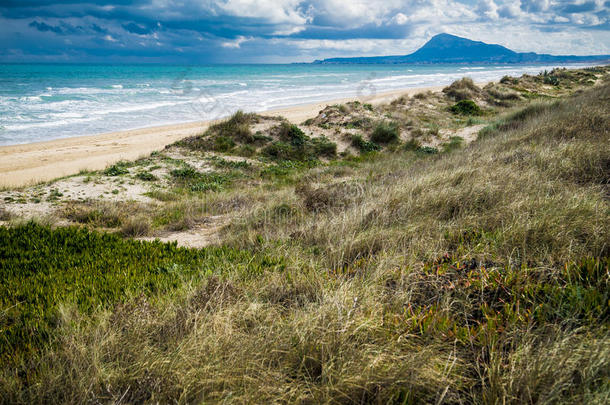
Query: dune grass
[478,275]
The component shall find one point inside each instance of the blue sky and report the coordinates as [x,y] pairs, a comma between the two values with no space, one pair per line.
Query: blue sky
[275,31]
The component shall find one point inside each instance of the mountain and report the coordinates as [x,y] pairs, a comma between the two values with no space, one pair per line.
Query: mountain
[446,48]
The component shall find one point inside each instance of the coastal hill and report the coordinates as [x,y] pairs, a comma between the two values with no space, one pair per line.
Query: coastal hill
[446,48]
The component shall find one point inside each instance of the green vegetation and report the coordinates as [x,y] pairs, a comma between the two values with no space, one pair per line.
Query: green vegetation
[385,132]
[295,145]
[146,176]
[466,107]
[189,178]
[43,269]
[463,89]
[455,142]
[363,145]
[117,169]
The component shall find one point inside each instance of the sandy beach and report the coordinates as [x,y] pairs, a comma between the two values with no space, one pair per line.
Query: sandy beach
[22,165]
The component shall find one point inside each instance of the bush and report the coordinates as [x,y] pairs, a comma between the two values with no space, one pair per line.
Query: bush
[146,176]
[509,80]
[210,182]
[462,89]
[466,107]
[363,145]
[185,173]
[283,151]
[324,147]
[427,150]
[295,145]
[223,144]
[291,133]
[237,127]
[117,169]
[385,132]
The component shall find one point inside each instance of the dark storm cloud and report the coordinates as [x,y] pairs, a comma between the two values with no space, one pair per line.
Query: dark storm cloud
[42,27]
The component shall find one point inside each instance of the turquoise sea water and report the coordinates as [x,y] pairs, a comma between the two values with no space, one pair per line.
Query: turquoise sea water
[48,101]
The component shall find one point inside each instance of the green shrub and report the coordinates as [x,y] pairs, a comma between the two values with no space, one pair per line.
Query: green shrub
[466,107]
[283,151]
[509,80]
[117,169]
[292,134]
[230,164]
[550,78]
[185,173]
[210,182]
[324,147]
[237,127]
[295,145]
[223,144]
[146,176]
[43,268]
[427,150]
[385,132]
[363,145]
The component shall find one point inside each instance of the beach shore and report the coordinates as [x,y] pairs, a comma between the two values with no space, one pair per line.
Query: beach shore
[22,165]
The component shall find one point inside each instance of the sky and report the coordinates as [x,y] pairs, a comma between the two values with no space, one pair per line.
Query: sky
[284,31]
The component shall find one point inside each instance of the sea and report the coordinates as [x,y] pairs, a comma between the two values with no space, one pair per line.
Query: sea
[40,102]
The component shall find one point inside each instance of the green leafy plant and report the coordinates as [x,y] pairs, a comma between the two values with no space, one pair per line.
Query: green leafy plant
[385,132]
[466,107]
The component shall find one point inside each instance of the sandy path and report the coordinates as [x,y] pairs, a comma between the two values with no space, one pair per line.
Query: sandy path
[22,165]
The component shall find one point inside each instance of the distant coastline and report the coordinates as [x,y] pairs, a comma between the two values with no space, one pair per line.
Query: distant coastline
[451,49]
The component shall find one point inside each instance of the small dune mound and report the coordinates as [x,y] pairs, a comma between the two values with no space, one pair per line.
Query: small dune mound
[350,115]
[500,95]
[463,89]
[289,142]
[233,135]
[274,138]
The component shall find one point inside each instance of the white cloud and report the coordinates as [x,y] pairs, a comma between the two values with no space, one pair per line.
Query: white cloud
[400,19]
[236,43]
[273,11]
[488,8]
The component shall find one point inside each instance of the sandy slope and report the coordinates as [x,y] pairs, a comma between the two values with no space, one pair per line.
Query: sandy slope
[21,165]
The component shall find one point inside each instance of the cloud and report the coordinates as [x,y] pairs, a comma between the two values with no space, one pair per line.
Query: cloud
[136,28]
[236,43]
[42,27]
[488,9]
[207,31]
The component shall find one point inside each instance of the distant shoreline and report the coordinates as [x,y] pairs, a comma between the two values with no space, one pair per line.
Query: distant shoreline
[27,164]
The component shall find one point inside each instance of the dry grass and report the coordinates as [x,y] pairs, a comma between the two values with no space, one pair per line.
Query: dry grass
[463,89]
[471,277]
